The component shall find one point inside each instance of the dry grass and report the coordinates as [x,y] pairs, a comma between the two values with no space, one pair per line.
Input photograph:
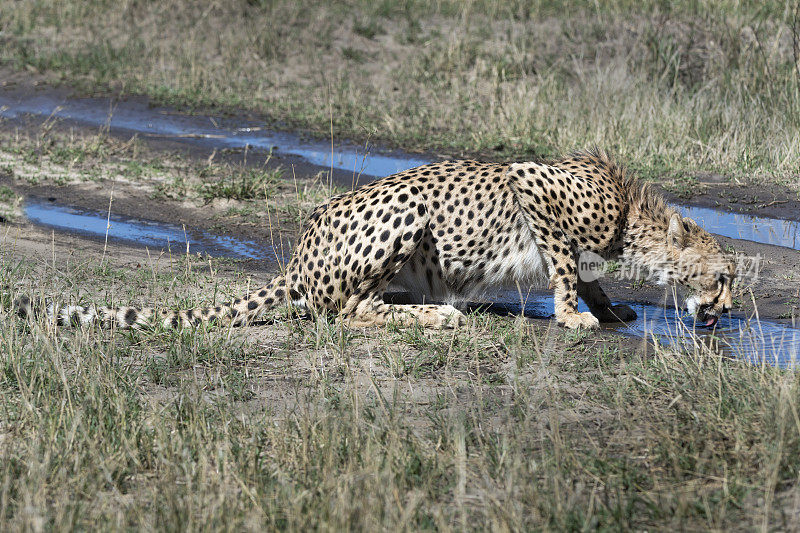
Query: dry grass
[671,87]
[301,424]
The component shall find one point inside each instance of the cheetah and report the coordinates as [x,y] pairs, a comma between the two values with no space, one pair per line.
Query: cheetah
[454,229]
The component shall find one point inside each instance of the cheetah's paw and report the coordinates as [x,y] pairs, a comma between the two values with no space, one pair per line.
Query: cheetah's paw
[447,316]
[616,313]
[578,320]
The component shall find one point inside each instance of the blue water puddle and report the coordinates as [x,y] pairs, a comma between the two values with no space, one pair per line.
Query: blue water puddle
[155,235]
[755,341]
[784,233]
[214,132]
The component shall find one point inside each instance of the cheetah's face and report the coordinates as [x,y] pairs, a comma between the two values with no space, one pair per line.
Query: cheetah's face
[704,267]
[712,294]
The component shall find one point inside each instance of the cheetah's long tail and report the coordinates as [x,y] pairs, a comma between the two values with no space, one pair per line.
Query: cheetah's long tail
[240,311]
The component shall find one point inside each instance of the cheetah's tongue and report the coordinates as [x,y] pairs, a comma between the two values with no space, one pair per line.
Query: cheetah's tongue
[712,320]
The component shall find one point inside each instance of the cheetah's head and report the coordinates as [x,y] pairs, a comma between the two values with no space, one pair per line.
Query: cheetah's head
[700,263]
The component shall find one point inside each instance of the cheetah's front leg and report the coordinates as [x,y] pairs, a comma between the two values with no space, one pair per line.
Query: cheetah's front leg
[564,281]
[566,300]
[597,300]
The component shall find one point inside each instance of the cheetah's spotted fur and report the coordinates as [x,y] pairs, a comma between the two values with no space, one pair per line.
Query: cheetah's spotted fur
[456,228]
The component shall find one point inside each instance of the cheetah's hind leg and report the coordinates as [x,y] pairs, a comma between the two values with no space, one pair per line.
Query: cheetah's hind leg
[373,311]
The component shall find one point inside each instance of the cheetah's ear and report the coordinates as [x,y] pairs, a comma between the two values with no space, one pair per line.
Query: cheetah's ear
[676,234]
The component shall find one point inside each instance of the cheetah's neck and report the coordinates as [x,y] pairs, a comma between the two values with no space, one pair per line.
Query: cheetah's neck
[645,242]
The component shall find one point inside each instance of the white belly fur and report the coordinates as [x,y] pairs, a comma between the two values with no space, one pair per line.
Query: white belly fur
[526,269]
[523,270]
